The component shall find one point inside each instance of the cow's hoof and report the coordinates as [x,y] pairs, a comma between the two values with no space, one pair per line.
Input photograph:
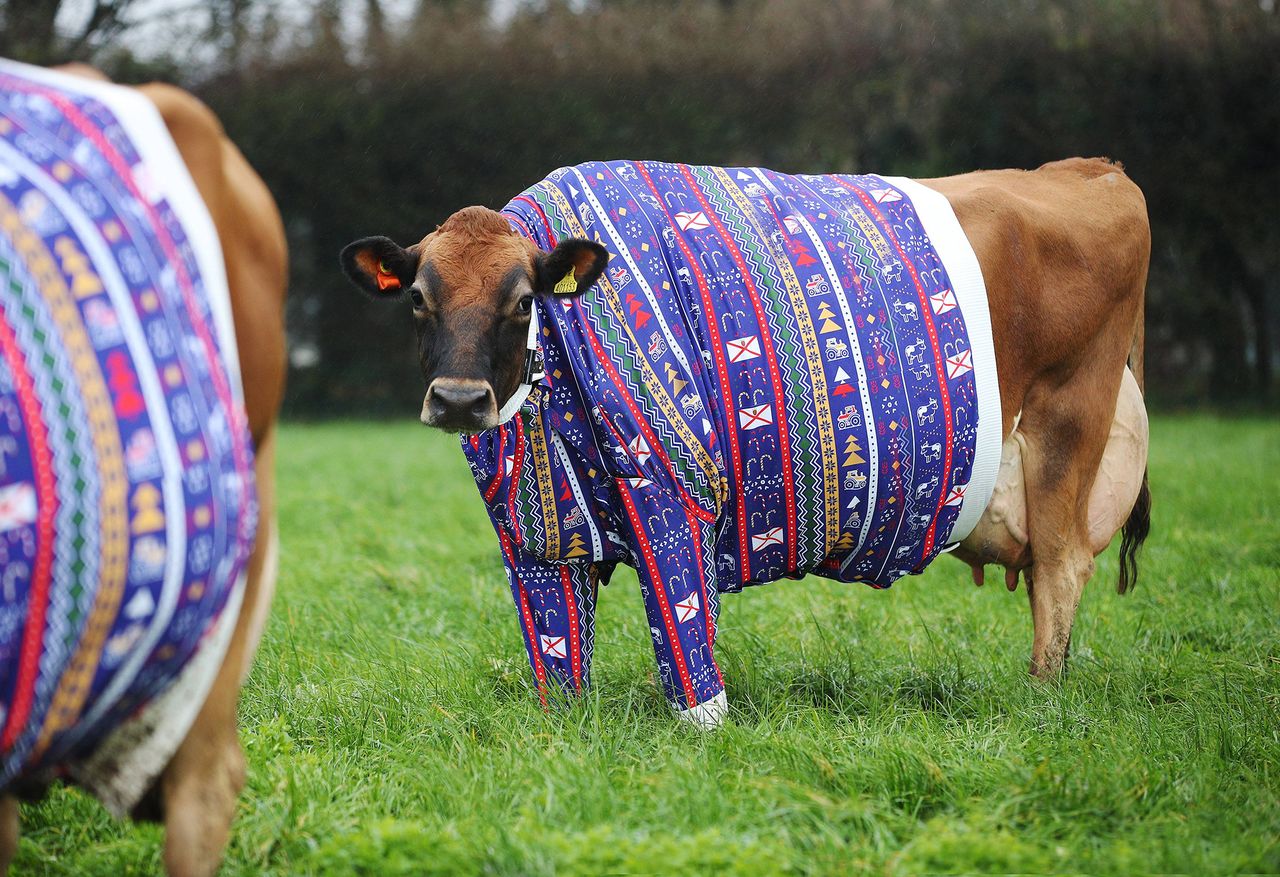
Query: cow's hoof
[707,715]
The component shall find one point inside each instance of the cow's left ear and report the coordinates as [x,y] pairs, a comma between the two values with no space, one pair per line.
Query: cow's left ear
[380,267]
[571,268]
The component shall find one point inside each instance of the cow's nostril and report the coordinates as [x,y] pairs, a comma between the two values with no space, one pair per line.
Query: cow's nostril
[449,401]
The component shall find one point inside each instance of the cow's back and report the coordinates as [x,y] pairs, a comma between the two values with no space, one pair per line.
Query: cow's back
[1061,247]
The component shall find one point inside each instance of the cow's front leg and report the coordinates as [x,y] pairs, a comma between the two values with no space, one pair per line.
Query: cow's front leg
[557,607]
[672,549]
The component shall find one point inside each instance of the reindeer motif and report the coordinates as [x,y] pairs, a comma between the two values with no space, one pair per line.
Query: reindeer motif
[906,310]
[931,453]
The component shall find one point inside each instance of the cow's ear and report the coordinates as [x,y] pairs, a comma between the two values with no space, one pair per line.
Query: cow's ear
[572,267]
[379,267]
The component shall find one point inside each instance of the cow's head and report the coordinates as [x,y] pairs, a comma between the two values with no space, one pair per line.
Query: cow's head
[472,284]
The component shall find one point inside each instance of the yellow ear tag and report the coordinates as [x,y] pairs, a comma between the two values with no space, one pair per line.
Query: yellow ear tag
[567,284]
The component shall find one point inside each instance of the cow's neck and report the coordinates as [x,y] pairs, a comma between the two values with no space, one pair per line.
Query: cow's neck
[531,375]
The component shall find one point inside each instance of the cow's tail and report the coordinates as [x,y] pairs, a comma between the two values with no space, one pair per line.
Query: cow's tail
[1135,529]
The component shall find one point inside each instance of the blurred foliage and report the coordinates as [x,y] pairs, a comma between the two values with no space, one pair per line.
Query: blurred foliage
[364,123]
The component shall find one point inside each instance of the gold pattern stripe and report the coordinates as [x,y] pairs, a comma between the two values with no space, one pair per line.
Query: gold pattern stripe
[813,356]
[73,688]
[546,488]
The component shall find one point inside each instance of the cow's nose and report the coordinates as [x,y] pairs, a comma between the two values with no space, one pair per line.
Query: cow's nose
[455,403]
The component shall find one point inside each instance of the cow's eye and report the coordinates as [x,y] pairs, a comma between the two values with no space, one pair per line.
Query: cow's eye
[525,304]
[415,296]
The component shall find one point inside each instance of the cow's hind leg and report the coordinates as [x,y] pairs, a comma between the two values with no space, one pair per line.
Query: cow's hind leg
[200,785]
[1066,428]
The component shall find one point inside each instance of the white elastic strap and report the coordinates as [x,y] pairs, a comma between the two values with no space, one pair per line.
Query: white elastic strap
[952,246]
[533,371]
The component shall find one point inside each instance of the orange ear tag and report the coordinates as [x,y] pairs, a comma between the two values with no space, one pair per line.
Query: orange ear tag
[386,280]
[567,285]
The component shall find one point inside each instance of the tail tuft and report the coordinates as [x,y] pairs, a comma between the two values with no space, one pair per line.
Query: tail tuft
[1134,533]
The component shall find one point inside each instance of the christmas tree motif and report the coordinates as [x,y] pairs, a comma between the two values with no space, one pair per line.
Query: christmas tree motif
[637,307]
[853,452]
[677,383]
[842,382]
[575,546]
[845,542]
[828,319]
[567,491]
[147,516]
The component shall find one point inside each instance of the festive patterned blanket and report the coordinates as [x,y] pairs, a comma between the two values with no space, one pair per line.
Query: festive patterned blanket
[777,375]
[127,508]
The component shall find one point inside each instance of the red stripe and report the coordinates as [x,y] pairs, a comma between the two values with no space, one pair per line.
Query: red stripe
[706,604]
[944,390]
[535,648]
[492,490]
[219,378]
[713,330]
[546,224]
[571,603]
[46,509]
[784,440]
[516,466]
[655,583]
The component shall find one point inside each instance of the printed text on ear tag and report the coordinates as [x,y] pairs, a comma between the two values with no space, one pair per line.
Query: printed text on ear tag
[567,284]
[387,280]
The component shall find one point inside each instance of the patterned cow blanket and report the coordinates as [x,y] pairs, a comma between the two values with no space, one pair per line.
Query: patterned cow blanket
[127,509]
[777,375]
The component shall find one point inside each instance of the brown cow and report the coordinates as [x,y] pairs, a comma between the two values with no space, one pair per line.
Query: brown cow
[1063,251]
[196,793]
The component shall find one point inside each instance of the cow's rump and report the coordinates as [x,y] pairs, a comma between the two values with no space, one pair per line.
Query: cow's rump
[127,508]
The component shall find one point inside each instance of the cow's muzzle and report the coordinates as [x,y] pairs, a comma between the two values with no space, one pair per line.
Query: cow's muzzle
[460,405]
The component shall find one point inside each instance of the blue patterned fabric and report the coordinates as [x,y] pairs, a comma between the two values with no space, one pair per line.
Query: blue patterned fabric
[774,377]
[127,506]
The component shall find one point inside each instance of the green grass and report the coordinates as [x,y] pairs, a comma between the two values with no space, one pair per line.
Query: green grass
[391,728]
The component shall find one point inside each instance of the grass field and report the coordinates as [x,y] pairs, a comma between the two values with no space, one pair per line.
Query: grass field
[391,729]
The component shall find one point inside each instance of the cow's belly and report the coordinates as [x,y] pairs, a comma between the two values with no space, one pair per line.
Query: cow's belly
[1001,535]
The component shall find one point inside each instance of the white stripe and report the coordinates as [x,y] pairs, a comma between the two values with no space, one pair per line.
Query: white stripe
[953,248]
[571,475]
